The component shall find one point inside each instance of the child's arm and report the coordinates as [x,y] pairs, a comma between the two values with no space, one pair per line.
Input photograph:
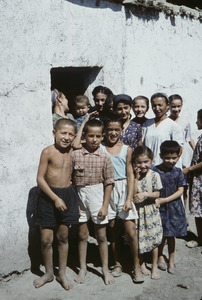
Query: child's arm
[103,212]
[192,144]
[59,203]
[193,168]
[145,195]
[160,201]
[130,179]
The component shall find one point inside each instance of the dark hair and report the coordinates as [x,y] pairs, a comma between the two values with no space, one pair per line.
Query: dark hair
[93,123]
[81,99]
[170,147]
[64,121]
[160,95]
[175,97]
[142,150]
[121,98]
[101,89]
[142,98]
[199,114]
[113,119]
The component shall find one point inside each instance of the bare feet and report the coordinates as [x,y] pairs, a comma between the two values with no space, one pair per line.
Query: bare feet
[62,279]
[154,273]
[81,276]
[108,278]
[43,280]
[144,270]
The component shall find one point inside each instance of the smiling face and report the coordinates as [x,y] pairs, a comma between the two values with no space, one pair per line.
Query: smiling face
[140,108]
[143,163]
[93,137]
[169,159]
[113,131]
[123,110]
[81,109]
[175,108]
[64,136]
[159,107]
[99,101]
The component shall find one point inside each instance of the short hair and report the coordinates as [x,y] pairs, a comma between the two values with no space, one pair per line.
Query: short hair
[122,98]
[93,123]
[113,118]
[142,150]
[170,147]
[142,98]
[64,121]
[81,99]
[101,89]
[175,97]
[199,113]
[160,95]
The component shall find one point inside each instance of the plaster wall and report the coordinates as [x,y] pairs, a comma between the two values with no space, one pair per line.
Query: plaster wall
[138,53]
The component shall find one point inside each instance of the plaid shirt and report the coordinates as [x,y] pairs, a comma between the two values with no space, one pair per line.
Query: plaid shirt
[91,168]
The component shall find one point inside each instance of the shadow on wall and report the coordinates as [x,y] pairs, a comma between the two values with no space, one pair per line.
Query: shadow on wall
[97,4]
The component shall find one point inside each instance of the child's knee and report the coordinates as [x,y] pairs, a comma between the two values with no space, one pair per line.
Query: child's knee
[62,238]
[131,235]
[46,243]
[101,237]
[83,234]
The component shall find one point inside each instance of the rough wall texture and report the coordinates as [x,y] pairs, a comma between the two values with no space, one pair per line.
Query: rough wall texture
[140,52]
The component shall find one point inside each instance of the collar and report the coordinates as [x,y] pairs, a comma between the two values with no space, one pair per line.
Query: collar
[96,152]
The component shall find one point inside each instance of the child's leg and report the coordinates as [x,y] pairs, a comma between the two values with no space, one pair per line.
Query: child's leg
[198,222]
[133,242]
[83,234]
[62,237]
[115,245]
[171,250]
[161,261]
[155,274]
[100,231]
[47,252]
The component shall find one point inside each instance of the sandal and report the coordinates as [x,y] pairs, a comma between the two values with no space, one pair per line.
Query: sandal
[116,270]
[137,278]
[171,270]
[162,266]
[192,244]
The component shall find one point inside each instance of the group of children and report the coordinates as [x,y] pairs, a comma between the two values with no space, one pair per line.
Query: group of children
[101,168]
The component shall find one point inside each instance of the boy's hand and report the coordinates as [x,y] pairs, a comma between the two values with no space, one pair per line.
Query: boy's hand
[158,202]
[103,213]
[137,172]
[185,171]
[139,197]
[60,205]
[127,206]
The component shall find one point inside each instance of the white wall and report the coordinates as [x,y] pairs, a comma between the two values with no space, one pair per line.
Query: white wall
[138,55]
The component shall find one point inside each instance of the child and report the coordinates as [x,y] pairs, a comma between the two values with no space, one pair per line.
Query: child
[171,206]
[140,106]
[81,106]
[58,201]
[93,176]
[60,106]
[195,170]
[147,184]
[121,203]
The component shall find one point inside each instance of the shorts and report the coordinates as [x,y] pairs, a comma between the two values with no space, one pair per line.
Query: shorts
[91,201]
[117,201]
[50,216]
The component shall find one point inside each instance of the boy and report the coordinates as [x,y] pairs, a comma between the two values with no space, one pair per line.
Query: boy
[82,105]
[58,202]
[93,176]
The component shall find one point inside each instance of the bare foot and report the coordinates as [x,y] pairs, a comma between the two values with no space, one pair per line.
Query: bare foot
[144,270]
[154,273]
[62,279]
[81,276]
[43,280]
[108,278]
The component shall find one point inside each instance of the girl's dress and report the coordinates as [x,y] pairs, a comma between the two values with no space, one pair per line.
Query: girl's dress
[196,188]
[172,213]
[132,135]
[150,230]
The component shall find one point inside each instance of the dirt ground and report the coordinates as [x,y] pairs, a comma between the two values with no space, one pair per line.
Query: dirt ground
[189,273]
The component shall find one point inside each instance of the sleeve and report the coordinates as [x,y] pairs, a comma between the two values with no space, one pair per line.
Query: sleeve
[197,155]
[108,171]
[188,137]
[177,134]
[156,182]
[181,178]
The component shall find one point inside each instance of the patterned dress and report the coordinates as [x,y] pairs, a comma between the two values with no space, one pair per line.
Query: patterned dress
[172,213]
[132,135]
[149,226]
[196,189]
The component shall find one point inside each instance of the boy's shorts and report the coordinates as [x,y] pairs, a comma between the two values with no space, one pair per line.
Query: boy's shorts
[91,201]
[50,216]
[117,201]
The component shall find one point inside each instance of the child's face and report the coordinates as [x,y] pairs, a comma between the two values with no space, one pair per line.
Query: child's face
[113,132]
[143,163]
[64,136]
[81,109]
[93,137]
[100,100]
[159,106]
[123,110]
[199,123]
[64,102]
[169,159]
[140,108]
[175,107]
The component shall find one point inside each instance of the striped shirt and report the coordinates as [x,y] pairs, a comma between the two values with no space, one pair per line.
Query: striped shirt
[91,168]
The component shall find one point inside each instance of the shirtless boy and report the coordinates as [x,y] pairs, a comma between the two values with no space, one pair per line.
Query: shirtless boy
[58,205]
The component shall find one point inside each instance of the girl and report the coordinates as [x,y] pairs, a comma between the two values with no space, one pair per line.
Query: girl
[100,94]
[170,203]
[161,128]
[140,107]
[196,187]
[132,132]
[147,184]
[60,106]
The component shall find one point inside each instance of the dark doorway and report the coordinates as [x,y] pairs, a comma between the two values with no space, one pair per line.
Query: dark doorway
[73,81]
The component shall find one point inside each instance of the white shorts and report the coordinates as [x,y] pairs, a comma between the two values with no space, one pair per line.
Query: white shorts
[117,201]
[91,201]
